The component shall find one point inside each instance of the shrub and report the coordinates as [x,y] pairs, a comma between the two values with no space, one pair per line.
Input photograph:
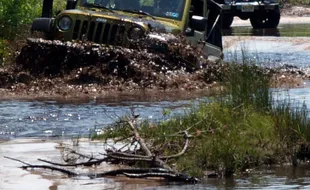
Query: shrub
[14,14]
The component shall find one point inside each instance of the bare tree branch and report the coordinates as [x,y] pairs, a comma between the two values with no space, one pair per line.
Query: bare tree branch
[82,155]
[131,159]
[89,163]
[128,155]
[68,172]
[141,141]
[17,160]
[186,136]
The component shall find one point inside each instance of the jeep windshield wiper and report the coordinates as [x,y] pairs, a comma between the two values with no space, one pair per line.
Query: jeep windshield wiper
[97,5]
[139,12]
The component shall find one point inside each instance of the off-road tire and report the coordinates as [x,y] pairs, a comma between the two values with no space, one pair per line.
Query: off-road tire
[269,19]
[227,20]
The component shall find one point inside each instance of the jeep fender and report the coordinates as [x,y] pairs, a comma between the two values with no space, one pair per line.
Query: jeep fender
[42,25]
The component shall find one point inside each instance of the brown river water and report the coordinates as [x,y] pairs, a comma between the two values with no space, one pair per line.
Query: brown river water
[31,126]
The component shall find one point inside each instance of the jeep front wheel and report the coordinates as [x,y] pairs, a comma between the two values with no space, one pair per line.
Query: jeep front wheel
[269,20]
[227,21]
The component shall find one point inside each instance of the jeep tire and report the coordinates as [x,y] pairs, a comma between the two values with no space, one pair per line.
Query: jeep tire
[227,20]
[269,19]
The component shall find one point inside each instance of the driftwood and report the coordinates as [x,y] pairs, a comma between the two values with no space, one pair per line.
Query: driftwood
[158,168]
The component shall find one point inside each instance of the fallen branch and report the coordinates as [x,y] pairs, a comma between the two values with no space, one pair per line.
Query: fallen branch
[89,163]
[121,154]
[82,155]
[140,140]
[131,159]
[186,136]
[131,173]
[68,172]
[169,176]
[17,160]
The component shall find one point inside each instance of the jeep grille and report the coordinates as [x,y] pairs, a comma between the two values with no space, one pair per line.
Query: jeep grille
[102,33]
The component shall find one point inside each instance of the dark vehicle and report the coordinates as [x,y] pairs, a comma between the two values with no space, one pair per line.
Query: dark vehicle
[262,13]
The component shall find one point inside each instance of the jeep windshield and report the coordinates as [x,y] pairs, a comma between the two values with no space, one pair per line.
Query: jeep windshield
[172,9]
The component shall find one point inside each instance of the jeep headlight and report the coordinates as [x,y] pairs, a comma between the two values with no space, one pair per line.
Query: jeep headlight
[135,33]
[64,23]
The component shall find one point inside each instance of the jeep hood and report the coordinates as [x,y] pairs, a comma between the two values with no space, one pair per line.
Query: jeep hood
[153,25]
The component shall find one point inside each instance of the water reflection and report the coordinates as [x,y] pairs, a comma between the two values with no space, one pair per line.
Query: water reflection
[284,30]
[249,31]
[284,177]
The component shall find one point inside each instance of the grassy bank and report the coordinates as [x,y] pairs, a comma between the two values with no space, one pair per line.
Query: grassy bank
[242,128]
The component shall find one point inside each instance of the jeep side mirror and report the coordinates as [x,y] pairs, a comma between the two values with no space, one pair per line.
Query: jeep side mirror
[199,23]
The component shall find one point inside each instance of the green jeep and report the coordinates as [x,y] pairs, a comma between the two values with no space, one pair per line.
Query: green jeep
[120,22]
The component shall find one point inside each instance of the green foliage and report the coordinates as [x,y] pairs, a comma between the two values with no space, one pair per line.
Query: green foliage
[2,51]
[15,19]
[59,5]
[16,13]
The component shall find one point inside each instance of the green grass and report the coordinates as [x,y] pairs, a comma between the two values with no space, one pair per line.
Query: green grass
[243,128]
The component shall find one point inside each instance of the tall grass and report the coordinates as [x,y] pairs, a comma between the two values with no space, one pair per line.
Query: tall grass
[248,86]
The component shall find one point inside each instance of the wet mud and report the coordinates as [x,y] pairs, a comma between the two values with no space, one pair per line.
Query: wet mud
[54,68]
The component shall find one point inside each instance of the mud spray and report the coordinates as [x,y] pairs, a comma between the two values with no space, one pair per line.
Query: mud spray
[159,62]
